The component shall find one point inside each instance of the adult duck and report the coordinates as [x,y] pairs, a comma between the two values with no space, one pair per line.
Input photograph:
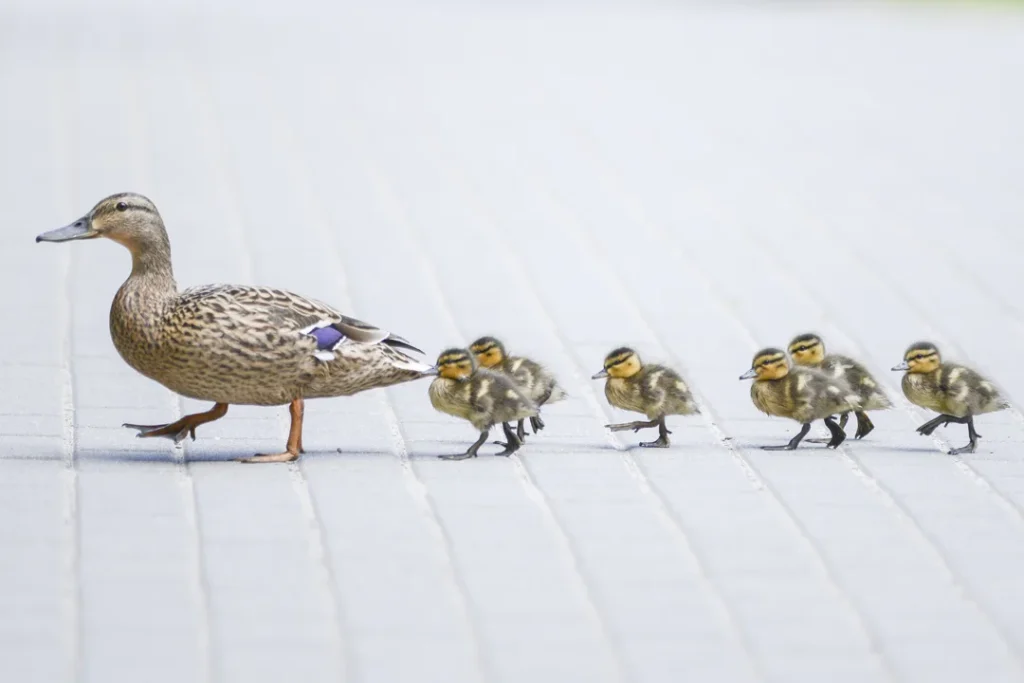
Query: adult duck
[231,344]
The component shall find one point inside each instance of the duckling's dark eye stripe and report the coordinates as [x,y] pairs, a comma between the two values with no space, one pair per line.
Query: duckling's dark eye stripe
[762,362]
[484,349]
[923,356]
[801,349]
[617,361]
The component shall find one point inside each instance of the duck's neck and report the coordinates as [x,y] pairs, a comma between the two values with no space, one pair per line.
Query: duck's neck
[151,267]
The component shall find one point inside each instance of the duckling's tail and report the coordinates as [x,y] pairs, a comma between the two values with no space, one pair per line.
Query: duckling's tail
[557,394]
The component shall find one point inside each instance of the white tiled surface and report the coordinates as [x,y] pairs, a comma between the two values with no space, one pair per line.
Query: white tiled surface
[698,180]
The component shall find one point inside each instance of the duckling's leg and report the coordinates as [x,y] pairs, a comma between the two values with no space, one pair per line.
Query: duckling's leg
[838,435]
[864,424]
[973,435]
[844,418]
[471,453]
[521,429]
[186,426]
[662,440]
[794,442]
[512,444]
[296,409]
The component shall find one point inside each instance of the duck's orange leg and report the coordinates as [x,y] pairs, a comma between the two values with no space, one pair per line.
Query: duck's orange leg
[186,426]
[294,447]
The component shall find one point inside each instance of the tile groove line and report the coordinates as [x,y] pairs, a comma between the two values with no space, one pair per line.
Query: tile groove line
[316,531]
[633,466]
[708,415]
[297,167]
[532,491]
[179,453]
[857,467]
[63,141]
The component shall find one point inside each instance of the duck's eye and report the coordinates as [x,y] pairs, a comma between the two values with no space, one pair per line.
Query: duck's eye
[121,206]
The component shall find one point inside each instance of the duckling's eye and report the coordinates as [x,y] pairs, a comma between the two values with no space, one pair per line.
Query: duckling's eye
[121,206]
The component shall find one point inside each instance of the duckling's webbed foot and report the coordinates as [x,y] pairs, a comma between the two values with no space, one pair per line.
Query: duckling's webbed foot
[536,423]
[471,453]
[838,435]
[931,425]
[662,440]
[794,442]
[973,443]
[635,426]
[186,426]
[512,442]
[864,424]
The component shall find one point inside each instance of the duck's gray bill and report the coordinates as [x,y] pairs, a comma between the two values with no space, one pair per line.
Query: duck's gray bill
[901,366]
[79,230]
[749,374]
[600,375]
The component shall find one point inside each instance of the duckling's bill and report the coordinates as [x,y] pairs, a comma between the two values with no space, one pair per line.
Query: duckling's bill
[79,230]
[901,367]
[600,374]
[749,374]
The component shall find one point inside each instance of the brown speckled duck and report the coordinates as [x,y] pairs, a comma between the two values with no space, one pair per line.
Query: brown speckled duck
[956,392]
[231,343]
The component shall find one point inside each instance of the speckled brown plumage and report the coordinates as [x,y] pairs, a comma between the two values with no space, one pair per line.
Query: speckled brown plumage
[479,396]
[230,344]
[956,392]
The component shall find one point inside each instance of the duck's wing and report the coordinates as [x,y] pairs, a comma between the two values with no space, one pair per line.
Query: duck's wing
[282,309]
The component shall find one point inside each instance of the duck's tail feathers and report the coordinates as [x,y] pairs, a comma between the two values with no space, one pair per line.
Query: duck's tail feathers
[394,341]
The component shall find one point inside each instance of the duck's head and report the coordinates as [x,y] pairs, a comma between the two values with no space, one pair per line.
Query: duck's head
[127,218]
[921,357]
[488,351]
[807,349]
[768,364]
[621,363]
[457,364]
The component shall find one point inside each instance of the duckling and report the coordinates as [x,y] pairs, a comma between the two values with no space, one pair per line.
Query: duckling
[799,393]
[655,390]
[484,398]
[533,378]
[808,350]
[957,392]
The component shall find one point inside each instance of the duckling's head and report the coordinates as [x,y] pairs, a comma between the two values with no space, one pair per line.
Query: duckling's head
[921,357]
[488,351]
[127,218]
[768,364]
[457,364]
[807,349]
[621,363]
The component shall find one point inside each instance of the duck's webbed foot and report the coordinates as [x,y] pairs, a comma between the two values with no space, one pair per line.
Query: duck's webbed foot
[662,440]
[794,442]
[512,442]
[536,423]
[471,453]
[186,426]
[294,446]
[973,443]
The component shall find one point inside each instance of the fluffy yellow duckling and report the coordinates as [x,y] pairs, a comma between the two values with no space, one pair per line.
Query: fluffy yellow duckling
[482,397]
[799,393]
[535,380]
[808,350]
[958,393]
[653,390]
